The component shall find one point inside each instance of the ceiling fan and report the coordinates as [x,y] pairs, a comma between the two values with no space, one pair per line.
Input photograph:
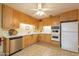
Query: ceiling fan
[41,11]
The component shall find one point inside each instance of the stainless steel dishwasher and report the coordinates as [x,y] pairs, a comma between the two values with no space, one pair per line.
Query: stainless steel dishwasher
[15,44]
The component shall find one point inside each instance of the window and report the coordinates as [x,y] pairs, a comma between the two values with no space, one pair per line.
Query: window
[27,27]
[47,29]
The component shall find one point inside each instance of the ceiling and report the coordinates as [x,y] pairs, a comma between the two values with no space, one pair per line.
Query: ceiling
[57,8]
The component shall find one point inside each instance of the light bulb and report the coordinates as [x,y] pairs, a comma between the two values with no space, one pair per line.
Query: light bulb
[40,13]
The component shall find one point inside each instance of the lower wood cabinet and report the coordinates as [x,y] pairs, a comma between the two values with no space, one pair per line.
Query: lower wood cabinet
[44,38]
[6,46]
[34,38]
[26,40]
[29,40]
[55,43]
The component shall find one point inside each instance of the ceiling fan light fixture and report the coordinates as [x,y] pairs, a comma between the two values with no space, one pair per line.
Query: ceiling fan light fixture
[40,13]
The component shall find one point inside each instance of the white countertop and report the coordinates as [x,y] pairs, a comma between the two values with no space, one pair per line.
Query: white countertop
[23,34]
[20,33]
[8,36]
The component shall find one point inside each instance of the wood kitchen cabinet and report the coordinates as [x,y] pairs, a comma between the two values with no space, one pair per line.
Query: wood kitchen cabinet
[55,20]
[16,19]
[44,38]
[78,15]
[69,16]
[29,40]
[12,18]
[34,38]
[6,46]
[7,17]
[26,41]
[10,21]
[55,43]
[0,15]
[29,37]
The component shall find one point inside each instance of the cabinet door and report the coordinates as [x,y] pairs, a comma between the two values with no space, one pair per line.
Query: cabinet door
[6,46]
[55,20]
[30,39]
[34,38]
[48,38]
[16,19]
[69,16]
[7,17]
[26,41]
[0,14]
[23,42]
[45,38]
[10,18]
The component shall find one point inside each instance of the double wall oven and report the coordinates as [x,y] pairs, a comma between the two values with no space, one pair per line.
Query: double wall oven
[55,33]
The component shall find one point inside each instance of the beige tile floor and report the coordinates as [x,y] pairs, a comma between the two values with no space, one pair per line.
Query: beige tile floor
[43,49]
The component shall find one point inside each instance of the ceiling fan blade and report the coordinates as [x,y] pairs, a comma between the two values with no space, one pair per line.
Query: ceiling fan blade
[45,9]
[34,9]
[39,6]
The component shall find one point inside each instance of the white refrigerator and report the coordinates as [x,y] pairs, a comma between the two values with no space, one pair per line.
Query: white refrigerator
[69,36]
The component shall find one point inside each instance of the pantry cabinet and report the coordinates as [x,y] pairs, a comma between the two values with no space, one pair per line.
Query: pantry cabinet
[69,16]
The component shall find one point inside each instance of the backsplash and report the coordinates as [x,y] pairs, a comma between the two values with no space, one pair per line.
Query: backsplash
[21,30]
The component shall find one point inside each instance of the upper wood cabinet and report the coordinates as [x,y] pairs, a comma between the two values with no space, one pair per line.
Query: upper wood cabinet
[55,20]
[7,17]
[50,21]
[0,15]
[69,16]
[16,19]
[78,15]
[10,20]
[46,21]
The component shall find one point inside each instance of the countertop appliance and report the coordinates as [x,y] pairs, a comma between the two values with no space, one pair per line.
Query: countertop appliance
[69,36]
[12,32]
[15,44]
[55,33]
